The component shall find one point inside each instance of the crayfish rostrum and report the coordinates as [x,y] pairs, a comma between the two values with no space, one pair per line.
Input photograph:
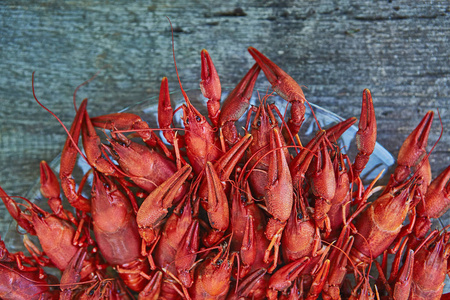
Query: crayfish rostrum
[209,212]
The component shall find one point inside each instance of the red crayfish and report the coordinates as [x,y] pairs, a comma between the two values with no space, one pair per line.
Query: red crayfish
[209,212]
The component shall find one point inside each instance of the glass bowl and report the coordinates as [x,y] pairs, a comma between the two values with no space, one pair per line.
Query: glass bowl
[380,160]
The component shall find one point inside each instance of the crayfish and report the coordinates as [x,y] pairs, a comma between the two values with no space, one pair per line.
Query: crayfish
[211,212]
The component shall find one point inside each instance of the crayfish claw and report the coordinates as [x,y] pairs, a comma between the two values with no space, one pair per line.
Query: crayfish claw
[153,288]
[366,135]
[165,114]
[285,86]
[217,207]
[402,287]
[334,132]
[281,82]
[155,207]
[248,248]
[282,279]
[187,253]
[248,285]
[71,275]
[236,104]
[22,219]
[210,87]
[319,280]
[68,160]
[437,199]
[49,182]
[413,148]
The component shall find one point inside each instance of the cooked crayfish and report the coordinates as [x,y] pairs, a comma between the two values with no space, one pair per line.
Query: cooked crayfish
[209,212]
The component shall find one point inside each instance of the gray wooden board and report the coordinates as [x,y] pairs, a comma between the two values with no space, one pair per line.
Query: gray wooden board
[398,49]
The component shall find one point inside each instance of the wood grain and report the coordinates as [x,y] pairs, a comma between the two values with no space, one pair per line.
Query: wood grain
[398,49]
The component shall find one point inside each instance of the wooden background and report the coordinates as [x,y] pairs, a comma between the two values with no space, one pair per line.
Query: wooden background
[399,50]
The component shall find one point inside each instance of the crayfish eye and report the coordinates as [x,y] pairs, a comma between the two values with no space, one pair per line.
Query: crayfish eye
[299,215]
[219,262]
[258,123]
[198,118]
[40,215]
[187,121]
[114,152]
[244,198]
[121,143]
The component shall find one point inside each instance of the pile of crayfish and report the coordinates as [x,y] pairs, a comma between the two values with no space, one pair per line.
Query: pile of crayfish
[209,212]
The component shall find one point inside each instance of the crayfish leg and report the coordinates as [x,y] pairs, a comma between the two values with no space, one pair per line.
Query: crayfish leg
[275,242]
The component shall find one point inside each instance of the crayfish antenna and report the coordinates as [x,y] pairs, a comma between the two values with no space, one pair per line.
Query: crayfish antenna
[176,70]
[68,156]
[83,84]
[69,134]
